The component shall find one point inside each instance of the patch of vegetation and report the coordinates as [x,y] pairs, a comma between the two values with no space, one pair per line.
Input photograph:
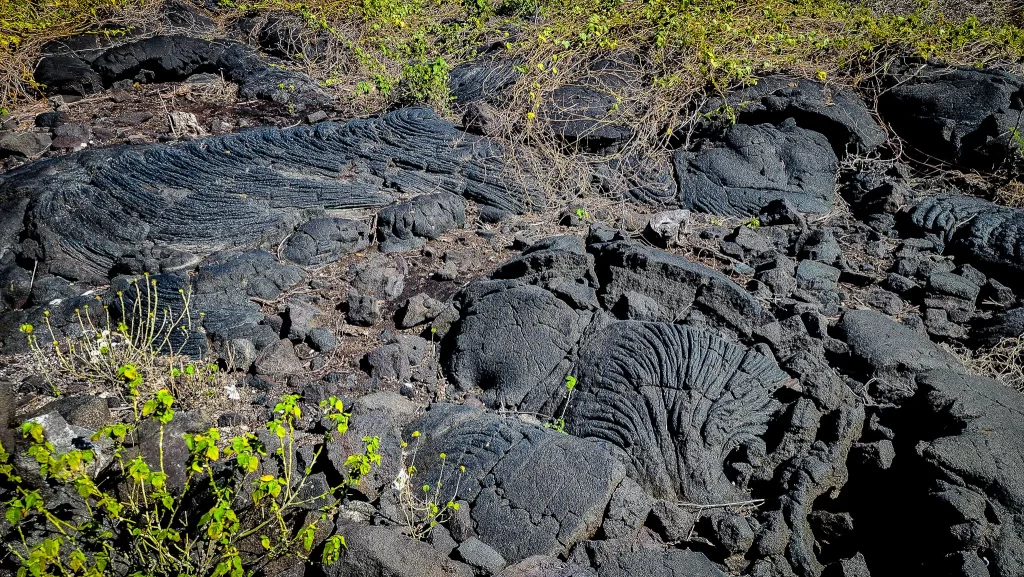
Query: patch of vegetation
[128,518]
[25,25]
[1011,194]
[422,506]
[558,423]
[1003,361]
[139,343]
[683,44]
[118,506]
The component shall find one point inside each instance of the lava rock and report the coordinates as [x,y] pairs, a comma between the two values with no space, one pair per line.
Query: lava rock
[649,372]
[627,511]
[654,563]
[279,359]
[175,57]
[418,310]
[821,245]
[85,411]
[409,225]
[579,116]
[510,364]
[190,195]
[476,553]
[514,514]
[68,74]
[756,165]
[885,350]
[28,144]
[374,551]
[671,521]
[50,119]
[838,113]
[483,119]
[678,285]
[963,115]
[816,276]
[322,339]
[482,79]
[988,235]
[668,226]
[71,136]
[363,310]
[323,240]
[379,276]
[975,464]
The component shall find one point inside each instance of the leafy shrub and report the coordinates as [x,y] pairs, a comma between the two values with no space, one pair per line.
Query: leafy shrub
[238,495]
[426,81]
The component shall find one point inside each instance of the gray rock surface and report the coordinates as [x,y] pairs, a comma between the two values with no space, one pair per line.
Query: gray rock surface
[837,113]
[962,115]
[678,285]
[323,240]
[246,189]
[512,337]
[28,144]
[476,553]
[669,563]
[638,380]
[504,458]
[977,464]
[988,235]
[407,226]
[755,165]
[888,350]
[386,552]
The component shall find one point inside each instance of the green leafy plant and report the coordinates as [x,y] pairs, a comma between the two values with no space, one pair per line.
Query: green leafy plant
[752,222]
[423,505]
[129,518]
[426,81]
[1018,139]
[558,423]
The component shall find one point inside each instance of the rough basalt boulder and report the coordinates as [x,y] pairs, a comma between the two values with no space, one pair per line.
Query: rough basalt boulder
[549,260]
[531,490]
[174,58]
[409,225]
[323,240]
[962,115]
[677,285]
[883,349]
[755,165]
[976,460]
[511,337]
[655,563]
[1008,325]
[987,235]
[836,112]
[677,401]
[386,552]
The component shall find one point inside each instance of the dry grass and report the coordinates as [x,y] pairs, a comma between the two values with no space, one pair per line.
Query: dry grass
[1004,361]
[26,25]
[1011,194]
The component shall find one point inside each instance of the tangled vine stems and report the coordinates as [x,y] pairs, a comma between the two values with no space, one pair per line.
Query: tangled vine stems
[130,520]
